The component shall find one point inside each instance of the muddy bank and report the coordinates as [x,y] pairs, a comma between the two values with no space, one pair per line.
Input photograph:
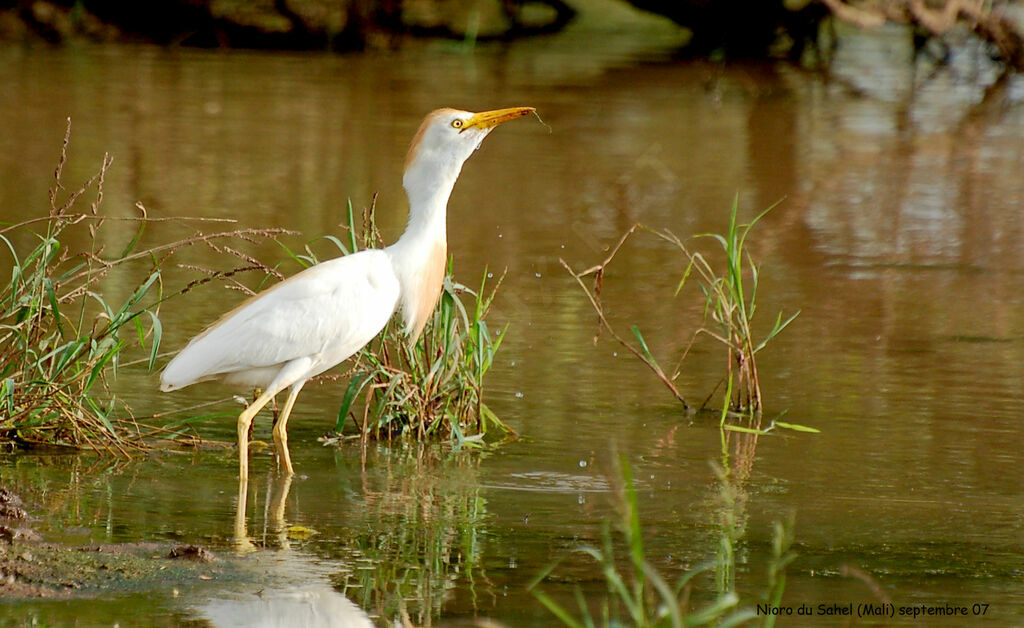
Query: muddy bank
[33,568]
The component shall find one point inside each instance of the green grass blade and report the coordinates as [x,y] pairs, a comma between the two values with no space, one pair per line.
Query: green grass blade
[10,247]
[744,430]
[68,274]
[355,386]
[158,333]
[632,523]
[7,387]
[556,609]
[71,350]
[796,427]
[686,275]
[98,367]
[581,603]
[480,305]
[122,316]
[452,289]
[351,227]
[714,610]
[668,599]
[102,415]
[51,296]
[778,327]
[302,260]
[728,399]
[135,240]
[643,344]
[337,243]
[737,618]
[140,332]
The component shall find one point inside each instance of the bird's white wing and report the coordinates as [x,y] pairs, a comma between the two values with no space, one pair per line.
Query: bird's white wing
[328,311]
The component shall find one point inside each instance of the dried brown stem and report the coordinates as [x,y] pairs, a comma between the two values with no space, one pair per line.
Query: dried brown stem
[603,320]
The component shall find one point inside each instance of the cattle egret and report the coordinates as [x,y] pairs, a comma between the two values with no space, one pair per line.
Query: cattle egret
[314,320]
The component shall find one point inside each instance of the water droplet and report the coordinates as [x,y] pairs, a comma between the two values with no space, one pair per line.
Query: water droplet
[519,395]
[536,274]
[583,463]
[490,275]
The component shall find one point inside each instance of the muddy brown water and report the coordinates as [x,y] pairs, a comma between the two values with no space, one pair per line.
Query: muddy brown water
[899,239]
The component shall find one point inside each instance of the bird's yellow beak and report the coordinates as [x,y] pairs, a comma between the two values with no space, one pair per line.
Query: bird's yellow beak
[491,119]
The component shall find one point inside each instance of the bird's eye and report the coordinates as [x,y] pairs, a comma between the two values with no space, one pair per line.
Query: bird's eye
[457,123]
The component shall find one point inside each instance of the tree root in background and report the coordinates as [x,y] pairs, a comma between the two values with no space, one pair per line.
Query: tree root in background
[988,20]
[337,25]
[720,29]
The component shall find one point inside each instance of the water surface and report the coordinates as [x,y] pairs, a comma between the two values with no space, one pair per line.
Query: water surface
[898,238]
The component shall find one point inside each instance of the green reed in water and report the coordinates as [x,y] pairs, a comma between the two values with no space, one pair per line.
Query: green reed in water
[730,301]
[435,387]
[641,595]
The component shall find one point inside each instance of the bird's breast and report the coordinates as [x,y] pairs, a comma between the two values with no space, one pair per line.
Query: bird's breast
[420,270]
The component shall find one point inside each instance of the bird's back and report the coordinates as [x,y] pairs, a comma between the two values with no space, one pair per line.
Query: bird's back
[326,312]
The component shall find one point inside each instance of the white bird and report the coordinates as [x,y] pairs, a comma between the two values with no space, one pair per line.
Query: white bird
[310,322]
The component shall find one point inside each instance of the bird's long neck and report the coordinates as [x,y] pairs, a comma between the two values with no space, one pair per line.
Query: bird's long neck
[419,256]
[428,206]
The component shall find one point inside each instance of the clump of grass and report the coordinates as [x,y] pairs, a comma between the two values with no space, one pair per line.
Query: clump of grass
[61,339]
[435,387]
[730,301]
[643,596]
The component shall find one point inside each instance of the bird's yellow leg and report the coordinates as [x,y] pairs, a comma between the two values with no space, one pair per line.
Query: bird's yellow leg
[244,421]
[284,459]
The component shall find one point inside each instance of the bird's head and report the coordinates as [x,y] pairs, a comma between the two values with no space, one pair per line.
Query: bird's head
[448,137]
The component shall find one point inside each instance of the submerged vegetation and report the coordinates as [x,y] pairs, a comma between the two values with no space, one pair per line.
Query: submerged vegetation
[426,530]
[730,302]
[641,595]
